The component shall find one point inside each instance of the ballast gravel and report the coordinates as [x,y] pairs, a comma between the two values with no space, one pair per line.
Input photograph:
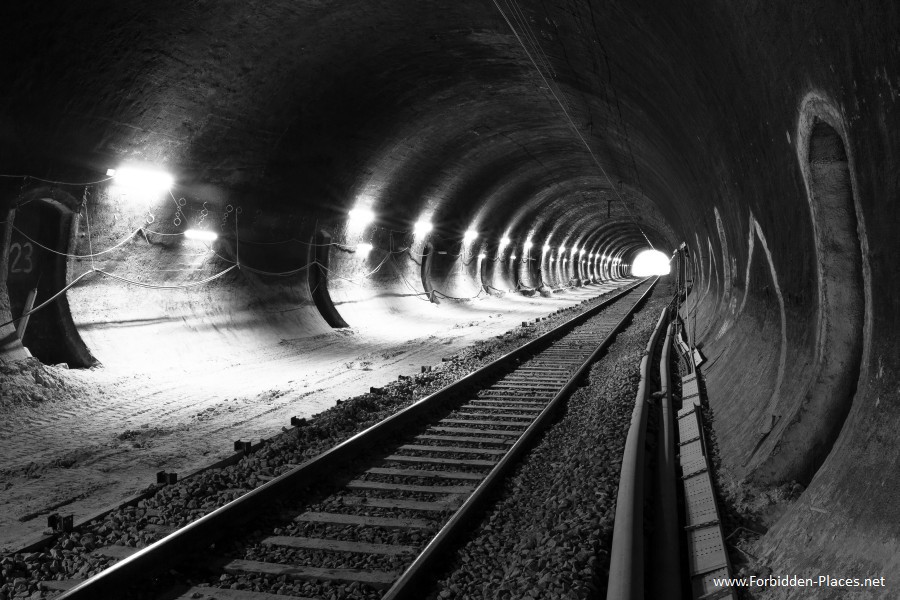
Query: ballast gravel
[549,533]
[78,555]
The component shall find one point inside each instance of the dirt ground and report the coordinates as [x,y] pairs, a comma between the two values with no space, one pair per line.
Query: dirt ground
[80,441]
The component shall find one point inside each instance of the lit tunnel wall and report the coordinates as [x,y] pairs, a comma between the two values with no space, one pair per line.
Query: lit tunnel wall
[704,123]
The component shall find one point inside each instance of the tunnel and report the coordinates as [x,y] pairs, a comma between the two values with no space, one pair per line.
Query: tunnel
[218,201]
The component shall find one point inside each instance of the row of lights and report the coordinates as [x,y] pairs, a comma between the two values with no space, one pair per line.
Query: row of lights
[147,181]
[360,217]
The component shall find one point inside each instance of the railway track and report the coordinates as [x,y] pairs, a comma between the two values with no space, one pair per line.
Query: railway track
[371,517]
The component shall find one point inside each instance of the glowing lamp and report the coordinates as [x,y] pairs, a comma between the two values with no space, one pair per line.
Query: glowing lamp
[527,245]
[546,247]
[360,217]
[513,257]
[363,248]
[144,180]
[201,235]
[422,227]
[470,235]
[482,256]
[562,249]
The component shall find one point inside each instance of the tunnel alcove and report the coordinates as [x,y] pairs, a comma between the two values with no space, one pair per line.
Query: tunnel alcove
[320,249]
[44,229]
[814,426]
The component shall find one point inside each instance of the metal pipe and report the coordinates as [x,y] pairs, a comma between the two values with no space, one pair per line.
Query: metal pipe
[667,535]
[626,566]
[26,312]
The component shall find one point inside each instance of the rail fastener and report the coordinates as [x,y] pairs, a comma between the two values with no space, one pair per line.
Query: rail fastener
[164,478]
[61,524]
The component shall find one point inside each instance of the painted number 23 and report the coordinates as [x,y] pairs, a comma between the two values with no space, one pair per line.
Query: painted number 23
[20,258]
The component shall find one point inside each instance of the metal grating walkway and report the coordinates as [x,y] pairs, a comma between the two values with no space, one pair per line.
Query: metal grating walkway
[707,556]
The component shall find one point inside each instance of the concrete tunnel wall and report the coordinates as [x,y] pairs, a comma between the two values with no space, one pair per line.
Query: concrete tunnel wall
[699,117]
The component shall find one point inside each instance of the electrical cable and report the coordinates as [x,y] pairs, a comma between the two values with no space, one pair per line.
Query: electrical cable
[48,301]
[26,177]
[167,287]
[90,255]
[278,274]
[87,217]
[570,120]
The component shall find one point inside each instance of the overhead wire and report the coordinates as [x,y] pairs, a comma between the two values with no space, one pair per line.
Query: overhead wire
[166,287]
[48,301]
[67,255]
[56,182]
[569,119]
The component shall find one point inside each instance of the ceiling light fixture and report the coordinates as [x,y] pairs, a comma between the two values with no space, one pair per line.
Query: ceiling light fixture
[422,227]
[138,179]
[201,235]
[360,217]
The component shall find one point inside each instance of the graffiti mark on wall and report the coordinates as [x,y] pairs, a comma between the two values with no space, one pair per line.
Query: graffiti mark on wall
[754,233]
[726,257]
[713,267]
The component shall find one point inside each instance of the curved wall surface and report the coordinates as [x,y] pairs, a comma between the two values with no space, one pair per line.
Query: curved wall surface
[762,136]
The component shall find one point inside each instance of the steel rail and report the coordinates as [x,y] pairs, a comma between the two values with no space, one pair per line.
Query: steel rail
[626,568]
[218,523]
[411,584]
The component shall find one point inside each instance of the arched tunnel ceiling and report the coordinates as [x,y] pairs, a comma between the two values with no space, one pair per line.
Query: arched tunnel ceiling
[415,107]
[697,117]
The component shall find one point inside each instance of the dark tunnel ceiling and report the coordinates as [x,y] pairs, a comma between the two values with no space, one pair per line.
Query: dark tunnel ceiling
[419,106]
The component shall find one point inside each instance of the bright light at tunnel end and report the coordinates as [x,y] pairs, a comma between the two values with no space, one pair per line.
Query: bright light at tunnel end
[650,262]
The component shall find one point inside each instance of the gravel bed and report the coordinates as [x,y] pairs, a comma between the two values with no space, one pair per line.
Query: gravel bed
[71,557]
[548,536]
